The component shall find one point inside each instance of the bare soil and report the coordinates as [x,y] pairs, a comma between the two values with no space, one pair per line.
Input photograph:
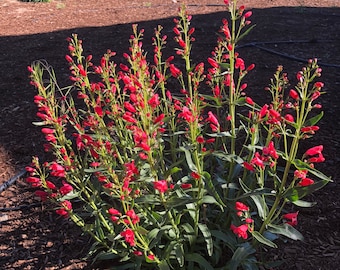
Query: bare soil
[288,32]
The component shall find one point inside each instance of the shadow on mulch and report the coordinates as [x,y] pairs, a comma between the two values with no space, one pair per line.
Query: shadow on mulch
[32,239]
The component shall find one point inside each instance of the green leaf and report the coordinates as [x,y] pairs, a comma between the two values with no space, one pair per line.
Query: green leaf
[39,123]
[296,193]
[197,258]
[207,237]
[148,199]
[212,190]
[259,201]
[259,237]
[301,203]
[227,239]
[189,232]
[286,230]
[171,171]
[179,251]
[240,256]
[188,158]
[174,202]
[220,134]
[71,195]
[163,265]
[245,33]
[227,157]
[312,121]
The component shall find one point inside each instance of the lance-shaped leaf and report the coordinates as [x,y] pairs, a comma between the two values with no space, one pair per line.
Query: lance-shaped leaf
[207,237]
[286,230]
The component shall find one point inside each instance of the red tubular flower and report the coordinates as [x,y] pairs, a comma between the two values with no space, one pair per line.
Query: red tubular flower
[270,150]
[249,101]
[66,188]
[134,218]
[34,181]
[129,107]
[57,170]
[50,185]
[240,231]
[175,72]
[213,63]
[131,168]
[212,119]
[293,94]
[114,212]
[318,159]
[66,207]
[316,150]
[240,64]
[195,175]
[306,182]
[248,166]
[186,115]
[129,237]
[248,14]
[154,101]
[129,118]
[239,206]
[161,185]
[186,186]
[289,118]
[47,131]
[291,218]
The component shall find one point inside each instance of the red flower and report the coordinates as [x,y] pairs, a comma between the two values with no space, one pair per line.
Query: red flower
[316,150]
[240,231]
[213,63]
[134,218]
[212,119]
[306,182]
[239,206]
[131,168]
[195,175]
[291,218]
[186,115]
[34,181]
[186,186]
[154,101]
[66,188]
[240,64]
[57,170]
[50,185]
[151,257]
[293,94]
[129,237]
[129,107]
[248,166]
[249,101]
[66,207]
[289,118]
[270,150]
[161,185]
[114,212]
[175,72]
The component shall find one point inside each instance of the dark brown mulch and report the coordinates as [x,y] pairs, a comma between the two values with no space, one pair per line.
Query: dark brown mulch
[31,237]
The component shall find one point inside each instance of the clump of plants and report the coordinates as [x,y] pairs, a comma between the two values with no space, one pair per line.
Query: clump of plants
[170,168]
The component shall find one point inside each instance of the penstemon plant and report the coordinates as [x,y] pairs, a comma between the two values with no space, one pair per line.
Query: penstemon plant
[177,179]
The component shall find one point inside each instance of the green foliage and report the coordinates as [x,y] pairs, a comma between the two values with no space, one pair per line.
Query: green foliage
[166,179]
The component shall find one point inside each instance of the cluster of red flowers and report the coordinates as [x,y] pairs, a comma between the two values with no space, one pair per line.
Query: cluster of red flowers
[243,212]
